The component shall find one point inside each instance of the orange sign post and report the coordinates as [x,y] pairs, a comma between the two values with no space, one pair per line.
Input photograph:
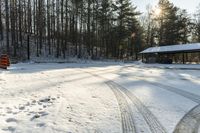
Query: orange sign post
[4,61]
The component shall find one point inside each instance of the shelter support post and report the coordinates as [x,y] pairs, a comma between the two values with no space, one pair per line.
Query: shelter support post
[142,57]
[183,57]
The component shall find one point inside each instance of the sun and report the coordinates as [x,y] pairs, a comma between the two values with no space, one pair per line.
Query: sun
[157,11]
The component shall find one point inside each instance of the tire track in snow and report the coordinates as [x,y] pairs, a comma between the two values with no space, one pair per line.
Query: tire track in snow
[190,122]
[127,120]
[188,95]
[162,67]
[154,125]
[128,125]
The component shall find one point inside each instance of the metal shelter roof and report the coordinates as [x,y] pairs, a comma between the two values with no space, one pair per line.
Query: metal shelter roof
[193,47]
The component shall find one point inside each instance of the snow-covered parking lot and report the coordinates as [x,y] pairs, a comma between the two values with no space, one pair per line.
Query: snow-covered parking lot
[99,97]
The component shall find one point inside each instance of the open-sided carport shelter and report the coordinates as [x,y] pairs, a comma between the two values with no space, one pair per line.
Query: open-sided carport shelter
[172,49]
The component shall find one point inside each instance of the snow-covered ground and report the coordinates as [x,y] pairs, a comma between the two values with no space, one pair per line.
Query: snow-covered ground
[98,97]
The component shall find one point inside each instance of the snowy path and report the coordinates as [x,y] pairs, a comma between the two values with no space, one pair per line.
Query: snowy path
[98,97]
[190,122]
[168,107]
[128,124]
[150,119]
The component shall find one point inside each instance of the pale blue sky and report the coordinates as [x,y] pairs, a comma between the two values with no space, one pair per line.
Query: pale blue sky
[190,5]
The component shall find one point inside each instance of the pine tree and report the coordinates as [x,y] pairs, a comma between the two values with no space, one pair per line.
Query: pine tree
[197,25]
[78,28]
[172,24]
[104,24]
[126,15]
[167,21]
[184,27]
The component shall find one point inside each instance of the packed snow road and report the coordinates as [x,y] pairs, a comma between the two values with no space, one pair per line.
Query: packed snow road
[99,97]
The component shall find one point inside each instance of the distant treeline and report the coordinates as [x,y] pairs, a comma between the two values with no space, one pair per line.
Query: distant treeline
[91,28]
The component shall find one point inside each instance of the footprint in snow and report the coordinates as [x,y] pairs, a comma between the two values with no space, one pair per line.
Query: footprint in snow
[9,120]
[2,80]
[183,79]
[15,113]
[40,124]
[11,129]
[35,117]
[40,103]
[21,107]
[39,114]
[70,120]
[27,104]
[45,100]
[43,113]
[34,101]
[53,99]
[8,108]
[32,112]
[9,111]
[94,96]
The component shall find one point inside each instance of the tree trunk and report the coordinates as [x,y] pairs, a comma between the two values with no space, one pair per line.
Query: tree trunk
[1,23]
[7,27]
